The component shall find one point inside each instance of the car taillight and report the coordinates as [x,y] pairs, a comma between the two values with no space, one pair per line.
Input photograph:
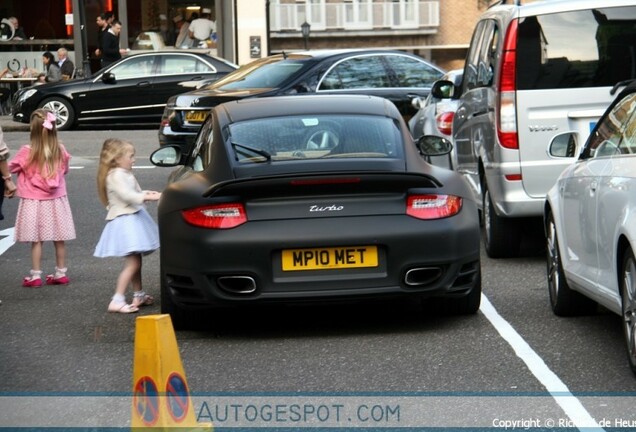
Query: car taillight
[218,216]
[433,206]
[445,122]
[507,110]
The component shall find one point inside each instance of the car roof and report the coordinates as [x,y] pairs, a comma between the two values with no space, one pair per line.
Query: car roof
[245,109]
[554,6]
[325,53]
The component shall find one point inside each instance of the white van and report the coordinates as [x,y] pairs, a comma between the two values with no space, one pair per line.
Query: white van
[533,73]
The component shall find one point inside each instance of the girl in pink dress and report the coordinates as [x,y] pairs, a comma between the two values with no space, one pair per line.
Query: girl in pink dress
[44,213]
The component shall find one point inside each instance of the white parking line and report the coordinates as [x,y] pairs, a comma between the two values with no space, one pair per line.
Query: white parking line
[6,239]
[559,391]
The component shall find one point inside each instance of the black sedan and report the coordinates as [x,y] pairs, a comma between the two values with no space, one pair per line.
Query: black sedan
[298,198]
[395,75]
[132,90]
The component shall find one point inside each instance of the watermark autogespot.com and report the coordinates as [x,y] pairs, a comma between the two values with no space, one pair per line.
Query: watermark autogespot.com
[372,411]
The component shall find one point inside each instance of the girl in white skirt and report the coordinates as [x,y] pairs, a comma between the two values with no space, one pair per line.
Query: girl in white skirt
[44,213]
[130,231]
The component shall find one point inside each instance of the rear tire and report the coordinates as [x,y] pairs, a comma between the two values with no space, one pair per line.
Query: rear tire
[563,300]
[501,235]
[628,297]
[178,316]
[63,110]
[466,305]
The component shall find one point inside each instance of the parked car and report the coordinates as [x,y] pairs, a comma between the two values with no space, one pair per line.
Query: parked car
[395,75]
[532,72]
[132,90]
[297,198]
[590,221]
[435,117]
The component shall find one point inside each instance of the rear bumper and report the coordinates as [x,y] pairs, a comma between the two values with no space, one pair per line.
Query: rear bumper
[424,258]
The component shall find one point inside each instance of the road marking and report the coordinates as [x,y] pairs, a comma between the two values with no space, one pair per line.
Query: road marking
[557,388]
[7,239]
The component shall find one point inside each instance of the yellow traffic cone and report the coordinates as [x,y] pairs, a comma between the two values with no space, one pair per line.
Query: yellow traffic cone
[161,397]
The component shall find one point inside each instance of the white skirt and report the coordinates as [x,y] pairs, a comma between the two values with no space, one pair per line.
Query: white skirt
[128,234]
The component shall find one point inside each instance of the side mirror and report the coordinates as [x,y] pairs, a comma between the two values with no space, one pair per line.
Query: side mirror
[417,102]
[432,145]
[563,146]
[169,156]
[443,89]
[109,78]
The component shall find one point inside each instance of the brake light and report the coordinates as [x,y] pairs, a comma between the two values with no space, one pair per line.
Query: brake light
[218,216]
[507,110]
[433,206]
[445,122]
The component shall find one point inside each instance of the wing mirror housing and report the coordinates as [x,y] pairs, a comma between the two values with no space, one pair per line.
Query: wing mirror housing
[169,156]
[444,89]
[564,146]
[109,78]
[432,145]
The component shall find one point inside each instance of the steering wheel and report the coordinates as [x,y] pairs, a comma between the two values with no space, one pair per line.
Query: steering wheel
[323,139]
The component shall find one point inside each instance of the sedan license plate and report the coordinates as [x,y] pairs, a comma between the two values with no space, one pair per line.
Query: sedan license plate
[330,258]
[195,116]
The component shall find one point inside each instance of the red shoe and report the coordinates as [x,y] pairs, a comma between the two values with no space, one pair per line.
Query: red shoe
[52,280]
[30,282]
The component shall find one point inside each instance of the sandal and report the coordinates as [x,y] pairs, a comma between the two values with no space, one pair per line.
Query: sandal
[52,280]
[33,281]
[140,298]
[125,308]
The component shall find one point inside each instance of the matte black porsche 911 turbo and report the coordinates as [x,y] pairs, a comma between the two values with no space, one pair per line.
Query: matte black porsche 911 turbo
[311,198]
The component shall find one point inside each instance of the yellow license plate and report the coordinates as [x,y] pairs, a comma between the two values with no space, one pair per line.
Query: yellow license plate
[330,258]
[195,116]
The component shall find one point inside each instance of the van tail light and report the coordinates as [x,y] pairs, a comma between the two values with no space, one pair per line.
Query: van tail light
[433,206]
[507,112]
[445,122]
[218,216]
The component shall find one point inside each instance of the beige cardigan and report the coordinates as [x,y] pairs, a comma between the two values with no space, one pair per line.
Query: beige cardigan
[124,194]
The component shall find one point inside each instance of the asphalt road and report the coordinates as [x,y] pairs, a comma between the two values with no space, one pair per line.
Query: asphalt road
[60,339]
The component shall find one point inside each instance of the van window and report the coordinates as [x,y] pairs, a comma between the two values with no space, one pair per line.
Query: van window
[587,48]
[480,62]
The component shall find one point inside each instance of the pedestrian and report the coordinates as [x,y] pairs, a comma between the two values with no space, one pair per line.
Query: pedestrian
[67,68]
[44,212]
[130,231]
[6,183]
[51,68]
[201,29]
[102,27]
[110,45]
[183,38]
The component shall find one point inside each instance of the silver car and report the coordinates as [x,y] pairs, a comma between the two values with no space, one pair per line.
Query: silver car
[533,72]
[590,221]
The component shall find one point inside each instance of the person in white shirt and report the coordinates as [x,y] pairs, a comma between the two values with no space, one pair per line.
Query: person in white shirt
[202,28]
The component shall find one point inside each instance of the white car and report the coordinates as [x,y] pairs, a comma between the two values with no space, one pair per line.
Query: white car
[590,221]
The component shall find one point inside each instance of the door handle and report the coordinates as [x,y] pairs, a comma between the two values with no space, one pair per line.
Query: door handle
[143,84]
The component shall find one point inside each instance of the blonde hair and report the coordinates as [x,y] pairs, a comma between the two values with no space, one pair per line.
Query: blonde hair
[112,149]
[46,151]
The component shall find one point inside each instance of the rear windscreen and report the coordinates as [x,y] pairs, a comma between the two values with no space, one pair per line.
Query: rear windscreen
[588,48]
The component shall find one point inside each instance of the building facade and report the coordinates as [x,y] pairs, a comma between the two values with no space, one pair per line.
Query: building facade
[438,30]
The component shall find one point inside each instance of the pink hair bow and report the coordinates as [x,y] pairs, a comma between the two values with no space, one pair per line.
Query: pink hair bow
[49,121]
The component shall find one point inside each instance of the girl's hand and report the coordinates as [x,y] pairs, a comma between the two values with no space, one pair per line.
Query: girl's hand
[152,195]
[9,188]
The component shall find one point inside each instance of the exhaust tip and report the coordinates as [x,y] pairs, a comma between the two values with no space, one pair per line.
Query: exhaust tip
[237,284]
[422,276]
